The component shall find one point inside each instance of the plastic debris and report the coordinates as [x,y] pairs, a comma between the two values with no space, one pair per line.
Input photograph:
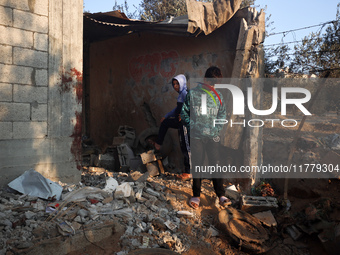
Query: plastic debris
[123,190]
[34,184]
[111,185]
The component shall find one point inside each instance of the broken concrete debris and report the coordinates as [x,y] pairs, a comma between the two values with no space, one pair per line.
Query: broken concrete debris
[253,204]
[151,214]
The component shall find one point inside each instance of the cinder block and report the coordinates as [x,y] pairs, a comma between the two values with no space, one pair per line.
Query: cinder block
[16,37]
[30,21]
[39,112]
[27,57]
[39,7]
[5,54]
[6,130]
[6,92]
[254,204]
[29,94]
[41,77]
[148,157]
[6,16]
[14,112]
[41,41]
[15,74]
[22,5]
[25,130]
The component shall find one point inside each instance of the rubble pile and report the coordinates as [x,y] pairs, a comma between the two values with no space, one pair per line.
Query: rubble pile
[152,215]
[152,212]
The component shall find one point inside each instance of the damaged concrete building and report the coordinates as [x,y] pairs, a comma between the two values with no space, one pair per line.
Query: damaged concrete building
[47,104]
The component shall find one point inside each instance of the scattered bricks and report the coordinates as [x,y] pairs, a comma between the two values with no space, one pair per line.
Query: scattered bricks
[152,192]
[148,157]
[254,204]
[124,154]
[266,218]
[152,169]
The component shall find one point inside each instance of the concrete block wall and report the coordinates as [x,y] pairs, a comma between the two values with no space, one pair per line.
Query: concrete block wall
[40,45]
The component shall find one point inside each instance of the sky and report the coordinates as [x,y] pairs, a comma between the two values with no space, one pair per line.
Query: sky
[286,15]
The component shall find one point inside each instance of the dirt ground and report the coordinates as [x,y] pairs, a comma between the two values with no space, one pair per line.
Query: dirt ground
[313,201]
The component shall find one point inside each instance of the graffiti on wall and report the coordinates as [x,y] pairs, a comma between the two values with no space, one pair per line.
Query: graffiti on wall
[150,65]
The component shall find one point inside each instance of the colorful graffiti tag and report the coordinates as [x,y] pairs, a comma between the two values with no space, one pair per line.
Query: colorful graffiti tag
[150,65]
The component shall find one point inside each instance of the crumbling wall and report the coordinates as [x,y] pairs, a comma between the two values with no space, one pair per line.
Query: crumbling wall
[129,72]
[40,88]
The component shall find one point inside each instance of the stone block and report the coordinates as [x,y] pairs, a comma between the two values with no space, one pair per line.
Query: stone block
[6,92]
[25,130]
[41,77]
[6,16]
[27,57]
[14,112]
[148,157]
[39,112]
[6,130]
[29,94]
[40,41]
[29,21]
[16,37]
[5,54]
[15,74]
[39,7]
[22,5]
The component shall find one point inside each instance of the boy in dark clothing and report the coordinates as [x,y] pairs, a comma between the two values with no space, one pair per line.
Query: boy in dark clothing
[172,120]
[199,119]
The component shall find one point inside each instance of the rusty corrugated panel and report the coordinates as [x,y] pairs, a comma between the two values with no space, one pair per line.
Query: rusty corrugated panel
[208,16]
[101,26]
[202,17]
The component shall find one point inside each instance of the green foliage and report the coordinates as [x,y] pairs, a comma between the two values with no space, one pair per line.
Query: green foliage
[158,10]
[154,10]
[246,3]
[316,53]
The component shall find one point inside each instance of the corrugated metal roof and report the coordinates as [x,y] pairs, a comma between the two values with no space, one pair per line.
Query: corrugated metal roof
[202,18]
[101,26]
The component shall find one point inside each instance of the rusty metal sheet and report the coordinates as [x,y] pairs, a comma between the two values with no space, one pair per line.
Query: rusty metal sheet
[208,16]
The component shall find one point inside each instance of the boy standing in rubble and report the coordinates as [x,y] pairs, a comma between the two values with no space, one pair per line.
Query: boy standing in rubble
[172,120]
[199,119]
